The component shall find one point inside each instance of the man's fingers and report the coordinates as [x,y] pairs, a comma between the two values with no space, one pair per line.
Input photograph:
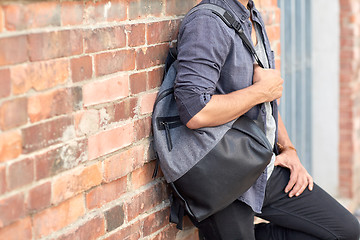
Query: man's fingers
[302,188]
[291,183]
[311,183]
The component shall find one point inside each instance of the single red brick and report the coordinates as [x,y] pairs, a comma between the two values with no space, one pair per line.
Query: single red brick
[125,109]
[13,50]
[81,68]
[13,113]
[90,230]
[142,176]
[155,221]
[111,62]
[138,82]
[53,219]
[5,83]
[18,230]
[39,75]
[33,15]
[121,164]
[39,197]
[151,56]
[131,232]
[136,34]
[114,217]
[106,91]
[49,45]
[50,104]
[155,78]
[46,134]
[110,141]
[120,111]
[23,168]
[43,14]
[147,102]
[146,200]
[11,209]
[60,159]
[2,179]
[10,145]
[100,39]
[105,193]
[74,182]
[142,128]
[164,31]
[71,13]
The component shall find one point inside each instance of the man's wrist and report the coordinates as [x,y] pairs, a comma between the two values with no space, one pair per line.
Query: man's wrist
[286,147]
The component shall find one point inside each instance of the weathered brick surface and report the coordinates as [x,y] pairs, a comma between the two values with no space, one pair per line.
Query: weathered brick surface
[74,182]
[114,217]
[81,68]
[11,119]
[13,50]
[39,75]
[5,83]
[11,209]
[39,197]
[55,218]
[106,193]
[90,230]
[18,230]
[106,91]
[23,168]
[78,84]
[10,145]
[46,134]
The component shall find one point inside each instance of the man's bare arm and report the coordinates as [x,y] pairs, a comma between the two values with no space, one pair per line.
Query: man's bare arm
[299,177]
[224,108]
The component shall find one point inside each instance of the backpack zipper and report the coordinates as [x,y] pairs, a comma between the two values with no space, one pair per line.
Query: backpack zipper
[167,134]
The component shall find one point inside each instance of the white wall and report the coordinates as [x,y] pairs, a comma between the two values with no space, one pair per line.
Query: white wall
[325,36]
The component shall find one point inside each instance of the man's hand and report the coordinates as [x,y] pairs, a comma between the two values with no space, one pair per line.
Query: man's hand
[268,82]
[299,177]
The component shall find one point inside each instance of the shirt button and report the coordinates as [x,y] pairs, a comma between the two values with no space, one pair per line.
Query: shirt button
[243,17]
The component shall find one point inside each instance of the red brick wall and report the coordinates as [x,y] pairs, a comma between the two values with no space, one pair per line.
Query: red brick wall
[350,99]
[78,81]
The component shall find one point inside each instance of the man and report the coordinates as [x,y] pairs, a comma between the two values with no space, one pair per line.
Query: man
[218,82]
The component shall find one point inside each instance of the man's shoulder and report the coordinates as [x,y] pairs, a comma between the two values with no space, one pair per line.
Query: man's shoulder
[204,15]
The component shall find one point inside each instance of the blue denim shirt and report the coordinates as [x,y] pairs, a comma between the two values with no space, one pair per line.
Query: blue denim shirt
[212,59]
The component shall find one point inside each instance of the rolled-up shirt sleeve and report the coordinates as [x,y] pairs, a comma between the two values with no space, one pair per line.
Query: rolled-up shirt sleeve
[204,43]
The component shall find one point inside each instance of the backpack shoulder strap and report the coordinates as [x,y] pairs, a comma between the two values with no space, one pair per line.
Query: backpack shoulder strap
[231,22]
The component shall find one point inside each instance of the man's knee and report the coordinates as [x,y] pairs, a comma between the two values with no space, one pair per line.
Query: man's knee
[351,230]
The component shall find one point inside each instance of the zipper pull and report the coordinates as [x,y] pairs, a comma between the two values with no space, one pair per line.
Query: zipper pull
[168,136]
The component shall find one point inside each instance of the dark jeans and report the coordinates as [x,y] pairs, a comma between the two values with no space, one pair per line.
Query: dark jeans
[312,215]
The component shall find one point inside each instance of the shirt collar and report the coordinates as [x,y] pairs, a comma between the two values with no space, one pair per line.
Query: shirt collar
[241,11]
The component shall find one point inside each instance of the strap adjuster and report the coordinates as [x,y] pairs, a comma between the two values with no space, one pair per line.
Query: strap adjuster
[237,25]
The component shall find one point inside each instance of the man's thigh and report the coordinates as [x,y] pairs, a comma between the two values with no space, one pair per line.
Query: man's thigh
[313,212]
